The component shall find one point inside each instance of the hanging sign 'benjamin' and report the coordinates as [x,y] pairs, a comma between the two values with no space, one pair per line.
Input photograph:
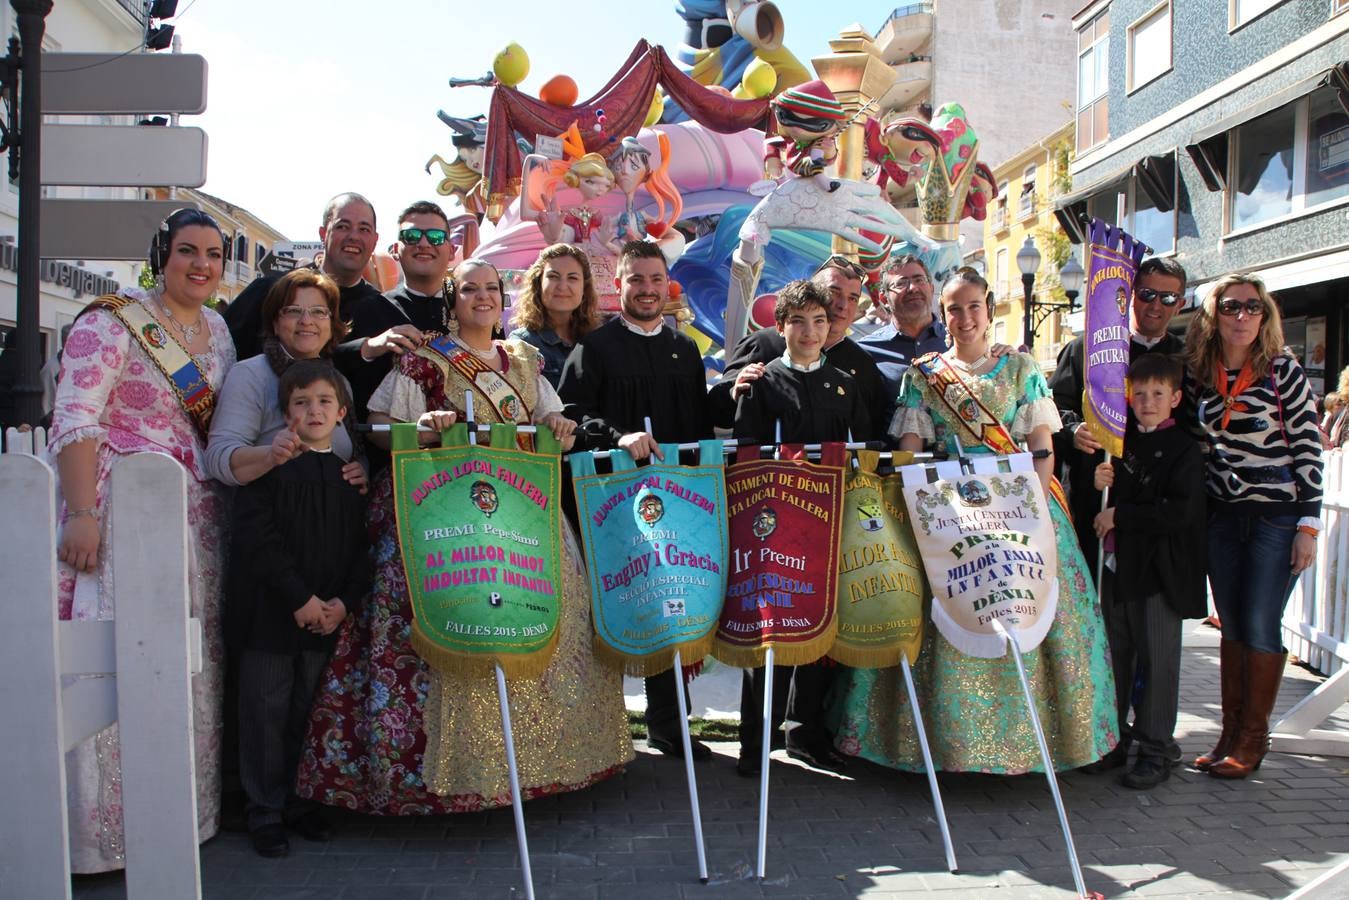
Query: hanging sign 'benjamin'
[655,541]
[782,587]
[881,584]
[480,533]
[988,545]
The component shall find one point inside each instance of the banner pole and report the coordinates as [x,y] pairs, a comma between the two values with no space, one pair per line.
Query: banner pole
[764,752]
[688,769]
[512,771]
[516,803]
[1100,541]
[938,807]
[1015,648]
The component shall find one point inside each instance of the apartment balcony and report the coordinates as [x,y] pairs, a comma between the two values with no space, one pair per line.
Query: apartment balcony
[1025,206]
[908,29]
[913,80]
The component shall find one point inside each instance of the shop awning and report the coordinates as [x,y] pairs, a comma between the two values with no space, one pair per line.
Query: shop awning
[1208,146]
[1156,177]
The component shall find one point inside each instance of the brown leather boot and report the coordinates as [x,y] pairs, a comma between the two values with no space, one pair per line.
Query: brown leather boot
[1264,673]
[1232,675]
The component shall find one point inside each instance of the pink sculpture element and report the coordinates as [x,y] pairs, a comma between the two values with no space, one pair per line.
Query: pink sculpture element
[581,223]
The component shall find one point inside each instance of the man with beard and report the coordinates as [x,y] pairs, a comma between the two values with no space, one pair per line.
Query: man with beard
[348,235]
[1159,291]
[632,367]
[841,279]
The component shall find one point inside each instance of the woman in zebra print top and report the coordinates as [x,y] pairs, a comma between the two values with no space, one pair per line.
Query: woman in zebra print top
[1257,417]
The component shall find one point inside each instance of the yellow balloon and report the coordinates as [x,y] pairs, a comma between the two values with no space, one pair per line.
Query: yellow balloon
[740,93]
[759,79]
[511,65]
[656,110]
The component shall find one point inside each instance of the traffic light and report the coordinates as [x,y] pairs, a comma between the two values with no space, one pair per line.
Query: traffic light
[159,37]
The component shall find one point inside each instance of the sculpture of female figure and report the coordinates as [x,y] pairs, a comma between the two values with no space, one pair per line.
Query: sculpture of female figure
[583,224]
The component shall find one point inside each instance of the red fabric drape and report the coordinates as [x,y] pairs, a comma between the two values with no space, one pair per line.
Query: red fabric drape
[625,101]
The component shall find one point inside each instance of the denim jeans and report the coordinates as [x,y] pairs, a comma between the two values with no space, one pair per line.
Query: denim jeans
[1251,572]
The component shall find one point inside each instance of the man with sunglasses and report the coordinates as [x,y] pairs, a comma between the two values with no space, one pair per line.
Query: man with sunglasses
[384,326]
[1159,293]
[841,278]
[913,329]
[348,235]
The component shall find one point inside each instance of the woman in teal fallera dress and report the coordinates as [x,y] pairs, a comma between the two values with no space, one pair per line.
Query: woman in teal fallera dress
[974,708]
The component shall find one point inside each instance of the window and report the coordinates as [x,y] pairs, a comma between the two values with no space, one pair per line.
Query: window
[1338,6]
[1093,81]
[1242,11]
[1147,223]
[1289,161]
[1000,214]
[1000,332]
[259,252]
[1025,206]
[1150,46]
[241,248]
[1000,286]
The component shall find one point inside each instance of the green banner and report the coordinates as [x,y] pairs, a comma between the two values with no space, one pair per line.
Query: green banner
[881,583]
[479,528]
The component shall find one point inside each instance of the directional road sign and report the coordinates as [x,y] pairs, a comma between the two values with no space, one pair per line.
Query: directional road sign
[123,155]
[101,229]
[90,83]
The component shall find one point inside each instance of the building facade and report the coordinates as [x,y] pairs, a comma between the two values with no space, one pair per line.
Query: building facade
[1030,182]
[1218,133]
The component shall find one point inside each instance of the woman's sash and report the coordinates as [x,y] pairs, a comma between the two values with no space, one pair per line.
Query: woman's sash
[975,418]
[185,377]
[488,384]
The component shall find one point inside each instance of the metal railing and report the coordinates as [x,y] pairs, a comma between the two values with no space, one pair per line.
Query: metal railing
[911,9]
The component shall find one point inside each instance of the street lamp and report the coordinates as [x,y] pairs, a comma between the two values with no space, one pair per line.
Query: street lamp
[1071,277]
[1028,261]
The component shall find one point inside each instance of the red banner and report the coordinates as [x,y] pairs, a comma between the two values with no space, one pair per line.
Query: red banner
[782,588]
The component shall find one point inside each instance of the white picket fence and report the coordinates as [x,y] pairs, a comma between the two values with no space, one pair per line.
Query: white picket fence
[62,682]
[1316,625]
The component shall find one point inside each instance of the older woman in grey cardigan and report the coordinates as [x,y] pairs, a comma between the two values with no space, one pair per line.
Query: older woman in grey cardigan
[249,432]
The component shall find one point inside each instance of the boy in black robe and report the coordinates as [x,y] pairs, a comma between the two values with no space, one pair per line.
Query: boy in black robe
[300,564]
[1154,567]
[811,401]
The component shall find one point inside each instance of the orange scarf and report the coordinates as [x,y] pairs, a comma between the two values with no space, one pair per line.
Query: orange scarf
[1245,378]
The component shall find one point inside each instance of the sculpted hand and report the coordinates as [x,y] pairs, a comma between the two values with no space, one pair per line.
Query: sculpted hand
[640,445]
[79,543]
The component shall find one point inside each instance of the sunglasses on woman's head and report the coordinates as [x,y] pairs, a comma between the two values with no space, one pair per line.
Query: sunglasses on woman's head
[1165,298]
[434,236]
[1230,306]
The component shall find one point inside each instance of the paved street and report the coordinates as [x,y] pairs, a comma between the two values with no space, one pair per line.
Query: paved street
[870,834]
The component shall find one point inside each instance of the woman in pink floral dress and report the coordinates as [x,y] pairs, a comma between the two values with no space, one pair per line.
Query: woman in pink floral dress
[114,399]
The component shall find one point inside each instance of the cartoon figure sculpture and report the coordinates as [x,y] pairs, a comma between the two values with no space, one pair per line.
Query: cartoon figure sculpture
[581,224]
[952,184]
[462,178]
[631,165]
[807,118]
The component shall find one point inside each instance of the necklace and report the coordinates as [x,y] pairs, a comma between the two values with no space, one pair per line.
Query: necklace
[967,366]
[188,331]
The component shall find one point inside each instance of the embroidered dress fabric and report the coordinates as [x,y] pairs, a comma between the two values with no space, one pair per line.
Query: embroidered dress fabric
[391,736]
[974,708]
[110,391]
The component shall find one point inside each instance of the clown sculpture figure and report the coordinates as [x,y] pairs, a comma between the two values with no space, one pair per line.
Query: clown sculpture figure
[806,119]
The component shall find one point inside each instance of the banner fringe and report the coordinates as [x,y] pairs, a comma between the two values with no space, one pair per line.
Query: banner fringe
[646,665]
[869,657]
[794,654]
[447,662]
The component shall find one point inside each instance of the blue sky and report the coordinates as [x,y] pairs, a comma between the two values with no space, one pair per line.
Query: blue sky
[307,99]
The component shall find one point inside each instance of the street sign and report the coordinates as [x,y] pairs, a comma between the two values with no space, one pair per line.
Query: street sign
[90,83]
[101,229]
[123,156]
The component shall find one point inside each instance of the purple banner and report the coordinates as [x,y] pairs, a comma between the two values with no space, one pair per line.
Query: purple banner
[1113,262]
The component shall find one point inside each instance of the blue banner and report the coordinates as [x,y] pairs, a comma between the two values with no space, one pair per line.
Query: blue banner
[656,548]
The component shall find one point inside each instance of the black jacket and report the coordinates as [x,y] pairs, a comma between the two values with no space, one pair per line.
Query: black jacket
[1159,520]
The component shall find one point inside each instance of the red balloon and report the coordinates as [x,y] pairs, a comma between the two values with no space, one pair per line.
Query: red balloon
[560,90]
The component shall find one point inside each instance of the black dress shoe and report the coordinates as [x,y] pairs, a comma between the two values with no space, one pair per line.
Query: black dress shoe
[817,756]
[675,747]
[748,765]
[1146,773]
[270,840]
[1115,759]
[315,825]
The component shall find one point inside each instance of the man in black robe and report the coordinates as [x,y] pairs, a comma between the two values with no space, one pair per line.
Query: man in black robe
[629,369]
[1159,292]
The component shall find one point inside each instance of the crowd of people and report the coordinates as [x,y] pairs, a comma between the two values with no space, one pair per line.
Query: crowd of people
[298,580]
